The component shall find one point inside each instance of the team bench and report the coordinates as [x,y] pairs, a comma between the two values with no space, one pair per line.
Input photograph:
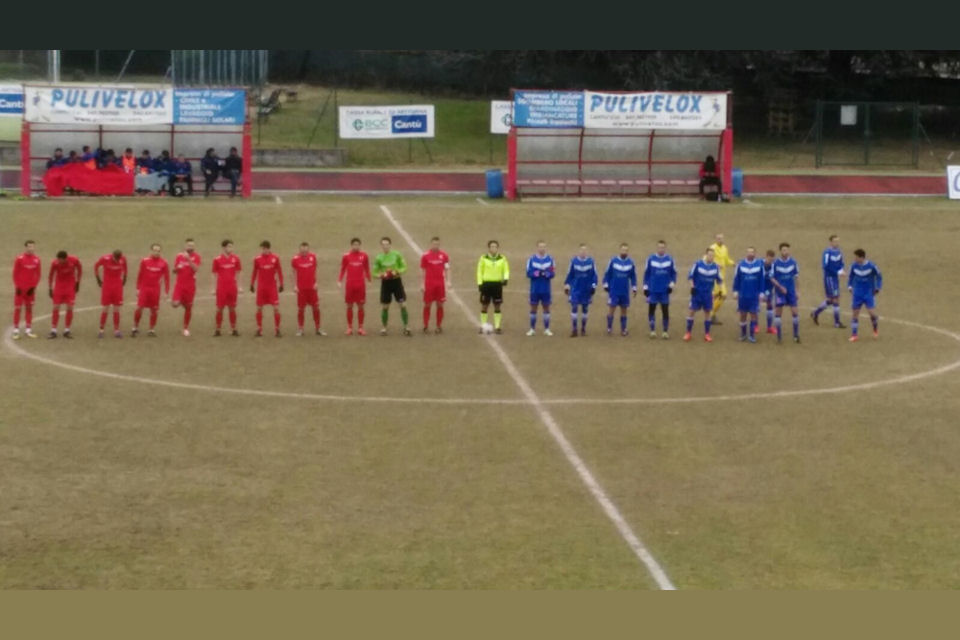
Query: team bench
[609,186]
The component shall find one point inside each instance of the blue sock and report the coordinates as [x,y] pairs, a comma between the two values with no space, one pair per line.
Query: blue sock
[610,322]
[689,325]
[583,318]
[778,323]
[706,325]
[769,318]
[533,320]
[623,323]
[743,329]
[836,315]
[546,320]
[573,319]
[753,326]
[820,309]
[854,326]
[653,322]
[796,326]
[874,320]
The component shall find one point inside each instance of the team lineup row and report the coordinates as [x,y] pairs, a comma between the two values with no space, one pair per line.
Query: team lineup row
[772,281]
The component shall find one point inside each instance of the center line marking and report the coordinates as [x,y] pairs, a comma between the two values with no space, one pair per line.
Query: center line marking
[586,476]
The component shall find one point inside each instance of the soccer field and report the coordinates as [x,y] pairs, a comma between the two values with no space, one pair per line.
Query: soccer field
[467,461]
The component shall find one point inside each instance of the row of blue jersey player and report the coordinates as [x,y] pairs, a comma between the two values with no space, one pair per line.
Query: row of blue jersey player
[704,276]
[832,265]
[785,278]
[659,279]
[620,283]
[749,284]
[541,269]
[864,282]
[580,285]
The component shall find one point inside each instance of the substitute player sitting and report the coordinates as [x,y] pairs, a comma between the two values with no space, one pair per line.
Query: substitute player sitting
[185,266]
[541,270]
[435,265]
[580,284]
[354,276]
[267,281]
[865,282]
[111,283]
[749,280]
[26,277]
[226,266]
[153,270]
[64,283]
[304,265]
[390,266]
[704,276]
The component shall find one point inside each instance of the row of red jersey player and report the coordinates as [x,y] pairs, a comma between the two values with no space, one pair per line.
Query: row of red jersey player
[110,270]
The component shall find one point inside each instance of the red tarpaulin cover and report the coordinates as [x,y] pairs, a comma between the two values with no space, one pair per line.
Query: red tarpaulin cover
[111,180]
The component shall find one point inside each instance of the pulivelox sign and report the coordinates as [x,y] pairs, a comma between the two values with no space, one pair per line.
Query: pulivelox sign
[98,105]
[655,110]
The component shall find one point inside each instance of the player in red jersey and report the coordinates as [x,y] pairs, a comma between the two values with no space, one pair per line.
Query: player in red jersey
[266,273]
[305,271]
[435,265]
[185,267]
[226,266]
[355,266]
[111,285]
[26,277]
[153,269]
[63,283]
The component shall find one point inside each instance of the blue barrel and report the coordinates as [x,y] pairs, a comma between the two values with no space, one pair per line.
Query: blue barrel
[494,183]
[737,187]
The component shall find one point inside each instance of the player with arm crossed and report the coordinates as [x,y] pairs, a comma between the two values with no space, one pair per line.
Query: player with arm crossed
[541,269]
[620,283]
[864,282]
[580,284]
[785,280]
[153,270]
[749,280]
[355,268]
[63,282]
[704,276]
[304,265]
[226,266]
[268,275]
[435,265]
[659,279]
[26,277]
[111,283]
[832,264]
[185,266]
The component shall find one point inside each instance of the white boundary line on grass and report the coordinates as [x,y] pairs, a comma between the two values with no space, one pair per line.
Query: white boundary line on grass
[483,202]
[586,476]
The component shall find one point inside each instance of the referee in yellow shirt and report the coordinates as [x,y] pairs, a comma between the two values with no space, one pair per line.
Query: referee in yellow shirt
[721,254]
[492,275]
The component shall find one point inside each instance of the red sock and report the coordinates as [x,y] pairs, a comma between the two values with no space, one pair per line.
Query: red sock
[439,315]
[219,318]
[300,317]
[69,318]
[116,320]
[360,317]
[28,315]
[16,317]
[103,319]
[136,316]
[260,319]
[349,317]
[233,318]
[187,314]
[153,318]
[276,320]
[56,318]
[316,316]
[426,316]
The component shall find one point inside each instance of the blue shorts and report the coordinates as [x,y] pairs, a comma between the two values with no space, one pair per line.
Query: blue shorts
[831,286]
[618,300]
[767,296]
[748,305]
[701,301]
[865,300]
[788,299]
[540,297]
[658,298]
[581,298]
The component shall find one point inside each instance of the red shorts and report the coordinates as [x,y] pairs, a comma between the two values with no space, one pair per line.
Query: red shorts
[184,295]
[355,294]
[148,298]
[308,298]
[434,293]
[111,296]
[64,296]
[267,296]
[23,298]
[226,298]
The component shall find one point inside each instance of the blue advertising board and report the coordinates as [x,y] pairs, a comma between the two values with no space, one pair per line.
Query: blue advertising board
[551,109]
[209,106]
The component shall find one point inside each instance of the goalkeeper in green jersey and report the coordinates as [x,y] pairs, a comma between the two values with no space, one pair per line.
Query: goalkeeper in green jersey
[493,272]
[389,266]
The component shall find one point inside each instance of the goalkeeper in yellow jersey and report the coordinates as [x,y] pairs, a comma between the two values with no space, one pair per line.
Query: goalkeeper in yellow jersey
[721,254]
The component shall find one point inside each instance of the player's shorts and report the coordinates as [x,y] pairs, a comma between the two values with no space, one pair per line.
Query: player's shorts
[184,295]
[148,298]
[658,298]
[748,305]
[64,296]
[434,293]
[267,297]
[226,298]
[863,301]
[307,298]
[618,300]
[540,297]
[23,298]
[701,301]
[582,298]
[355,293]
[111,296]
[491,292]
[392,288]
[831,286]
[788,299]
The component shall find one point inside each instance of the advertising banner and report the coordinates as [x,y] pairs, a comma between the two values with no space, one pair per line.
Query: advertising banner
[209,106]
[98,105]
[11,100]
[655,110]
[549,109]
[501,116]
[401,121]
[953,182]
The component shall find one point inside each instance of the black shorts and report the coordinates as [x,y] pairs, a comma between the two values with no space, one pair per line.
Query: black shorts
[491,292]
[392,288]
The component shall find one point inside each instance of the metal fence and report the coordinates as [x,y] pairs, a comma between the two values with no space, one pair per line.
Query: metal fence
[219,67]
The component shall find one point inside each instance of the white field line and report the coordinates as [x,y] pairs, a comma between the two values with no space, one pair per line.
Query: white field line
[586,476]
[483,202]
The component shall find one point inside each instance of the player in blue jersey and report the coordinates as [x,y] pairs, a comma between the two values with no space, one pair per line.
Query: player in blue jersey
[749,281]
[786,282]
[704,275]
[832,265]
[620,282]
[540,269]
[864,283]
[659,278]
[580,284]
[767,294]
